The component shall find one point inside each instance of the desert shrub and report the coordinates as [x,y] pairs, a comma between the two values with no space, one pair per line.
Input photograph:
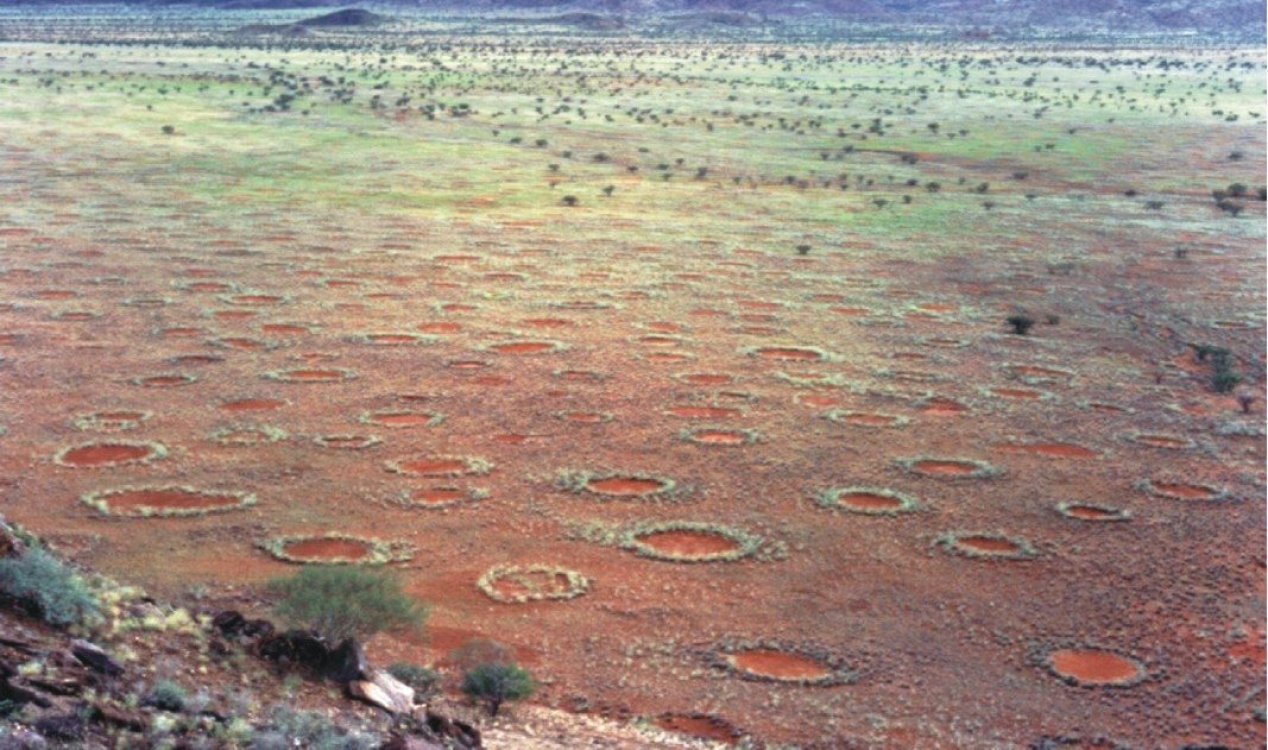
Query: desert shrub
[167,696]
[424,681]
[495,683]
[48,587]
[346,602]
[1021,324]
[312,730]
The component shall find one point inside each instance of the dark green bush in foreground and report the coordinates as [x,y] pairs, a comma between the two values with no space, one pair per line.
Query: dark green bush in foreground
[48,587]
[346,602]
[496,683]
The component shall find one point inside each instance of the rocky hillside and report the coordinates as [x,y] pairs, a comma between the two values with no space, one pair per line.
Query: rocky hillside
[88,663]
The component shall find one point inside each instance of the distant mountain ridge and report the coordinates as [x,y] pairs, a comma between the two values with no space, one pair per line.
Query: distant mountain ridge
[1245,16]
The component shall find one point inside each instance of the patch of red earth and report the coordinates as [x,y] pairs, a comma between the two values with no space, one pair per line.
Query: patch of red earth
[662,326]
[702,727]
[181,332]
[1092,513]
[106,418]
[1251,649]
[819,401]
[388,339]
[52,295]
[667,357]
[1052,450]
[707,313]
[167,499]
[657,340]
[492,381]
[1185,491]
[253,404]
[254,300]
[432,467]
[1162,441]
[944,468]
[195,359]
[510,438]
[327,549]
[987,545]
[165,381]
[467,364]
[719,437]
[937,307]
[244,344]
[869,501]
[580,376]
[524,347]
[457,307]
[438,327]
[285,329]
[106,454]
[703,412]
[437,495]
[1018,393]
[680,543]
[850,312]
[314,376]
[625,486]
[77,316]
[778,665]
[943,407]
[707,379]
[1091,667]
[1106,408]
[789,353]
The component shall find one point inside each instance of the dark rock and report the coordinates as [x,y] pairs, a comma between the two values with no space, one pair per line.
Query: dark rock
[93,657]
[67,727]
[347,662]
[16,692]
[462,733]
[24,739]
[230,623]
[258,629]
[109,713]
[296,647]
[62,684]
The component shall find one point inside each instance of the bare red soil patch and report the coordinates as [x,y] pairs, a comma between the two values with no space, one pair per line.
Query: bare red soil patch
[106,454]
[165,500]
[778,665]
[438,327]
[164,381]
[325,549]
[687,544]
[1095,667]
[625,486]
[700,726]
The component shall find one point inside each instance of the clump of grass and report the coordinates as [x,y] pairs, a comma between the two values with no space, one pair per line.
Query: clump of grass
[347,442]
[48,588]
[288,728]
[166,695]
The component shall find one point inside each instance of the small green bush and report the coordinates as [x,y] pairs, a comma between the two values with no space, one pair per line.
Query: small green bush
[346,602]
[424,681]
[496,683]
[49,587]
[167,696]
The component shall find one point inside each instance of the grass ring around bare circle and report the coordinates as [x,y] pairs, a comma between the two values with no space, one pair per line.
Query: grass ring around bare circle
[869,501]
[244,435]
[743,544]
[620,485]
[437,498]
[167,501]
[112,420]
[377,552]
[525,577]
[832,668]
[986,545]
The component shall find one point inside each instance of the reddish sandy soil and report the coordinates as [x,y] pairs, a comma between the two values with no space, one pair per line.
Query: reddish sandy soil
[950,651]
